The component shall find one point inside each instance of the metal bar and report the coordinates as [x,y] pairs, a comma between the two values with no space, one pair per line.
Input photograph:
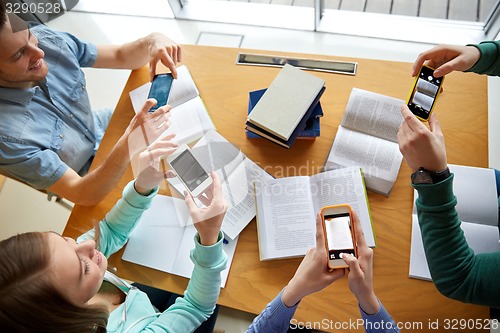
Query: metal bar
[339,67]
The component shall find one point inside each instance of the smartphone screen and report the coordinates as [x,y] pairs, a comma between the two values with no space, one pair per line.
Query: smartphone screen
[160,90]
[424,93]
[189,170]
[339,235]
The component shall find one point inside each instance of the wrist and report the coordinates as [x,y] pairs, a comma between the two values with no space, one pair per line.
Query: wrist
[369,304]
[142,190]
[291,295]
[209,240]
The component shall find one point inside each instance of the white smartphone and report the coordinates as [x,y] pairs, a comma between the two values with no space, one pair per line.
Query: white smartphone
[191,173]
[339,234]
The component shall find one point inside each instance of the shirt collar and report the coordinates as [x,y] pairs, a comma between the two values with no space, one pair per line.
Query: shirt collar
[19,96]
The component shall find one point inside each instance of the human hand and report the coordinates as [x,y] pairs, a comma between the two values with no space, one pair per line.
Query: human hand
[162,48]
[151,168]
[312,275]
[447,58]
[360,277]
[208,220]
[145,127]
[421,146]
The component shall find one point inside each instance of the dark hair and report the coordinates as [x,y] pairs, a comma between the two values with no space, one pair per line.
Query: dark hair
[3,14]
[29,302]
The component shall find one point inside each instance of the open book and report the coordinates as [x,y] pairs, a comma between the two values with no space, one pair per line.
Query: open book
[477,207]
[367,137]
[237,174]
[287,208]
[189,117]
[160,242]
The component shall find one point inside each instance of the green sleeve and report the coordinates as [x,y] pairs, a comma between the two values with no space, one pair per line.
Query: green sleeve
[489,62]
[456,271]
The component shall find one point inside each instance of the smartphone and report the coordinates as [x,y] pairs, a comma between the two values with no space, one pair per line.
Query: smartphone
[339,234]
[160,90]
[191,173]
[424,93]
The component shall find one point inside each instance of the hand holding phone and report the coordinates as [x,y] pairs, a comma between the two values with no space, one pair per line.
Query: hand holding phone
[424,93]
[340,234]
[160,90]
[190,172]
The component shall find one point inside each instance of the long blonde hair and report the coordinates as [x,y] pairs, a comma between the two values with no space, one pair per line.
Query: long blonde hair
[29,302]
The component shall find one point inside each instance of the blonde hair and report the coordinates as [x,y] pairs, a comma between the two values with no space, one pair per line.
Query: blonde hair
[29,301]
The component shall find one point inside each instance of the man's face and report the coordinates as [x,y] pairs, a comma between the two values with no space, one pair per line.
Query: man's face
[21,61]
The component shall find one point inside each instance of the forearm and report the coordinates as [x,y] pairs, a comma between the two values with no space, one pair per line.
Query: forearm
[94,186]
[115,228]
[456,271]
[131,55]
[489,62]
[275,318]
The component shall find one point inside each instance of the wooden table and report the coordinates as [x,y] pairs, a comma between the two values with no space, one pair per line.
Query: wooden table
[224,87]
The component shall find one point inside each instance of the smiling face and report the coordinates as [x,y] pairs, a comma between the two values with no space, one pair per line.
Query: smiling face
[77,270]
[21,61]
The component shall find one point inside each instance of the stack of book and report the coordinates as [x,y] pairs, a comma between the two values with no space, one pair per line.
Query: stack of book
[282,112]
[310,131]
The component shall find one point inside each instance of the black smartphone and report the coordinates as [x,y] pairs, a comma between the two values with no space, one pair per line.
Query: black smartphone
[424,93]
[160,90]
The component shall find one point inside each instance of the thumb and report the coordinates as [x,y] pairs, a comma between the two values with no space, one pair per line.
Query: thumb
[434,125]
[188,199]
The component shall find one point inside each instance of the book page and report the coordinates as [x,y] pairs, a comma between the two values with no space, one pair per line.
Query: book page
[160,242]
[481,238]
[286,217]
[344,186]
[373,114]
[189,121]
[237,174]
[155,240]
[183,88]
[476,192]
[379,159]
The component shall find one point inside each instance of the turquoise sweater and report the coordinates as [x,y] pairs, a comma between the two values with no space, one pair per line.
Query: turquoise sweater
[136,313]
[489,63]
[457,272]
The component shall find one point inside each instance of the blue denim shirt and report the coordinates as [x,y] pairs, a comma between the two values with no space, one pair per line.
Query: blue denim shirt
[50,127]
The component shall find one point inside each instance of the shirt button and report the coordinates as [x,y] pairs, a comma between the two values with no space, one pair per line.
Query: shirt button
[61,136]
[83,87]
[71,116]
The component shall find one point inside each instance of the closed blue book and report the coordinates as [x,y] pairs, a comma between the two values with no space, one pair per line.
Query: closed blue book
[288,143]
[312,128]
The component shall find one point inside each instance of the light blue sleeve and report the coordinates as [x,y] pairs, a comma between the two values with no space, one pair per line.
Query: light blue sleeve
[380,322]
[200,297]
[115,228]
[275,318]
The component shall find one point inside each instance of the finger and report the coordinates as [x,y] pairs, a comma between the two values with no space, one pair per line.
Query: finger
[205,199]
[320,233]
[168,62]
[353,263]
[216,184]
[413,123]
[188,199]
[170,174]
[447,67]
[179,53]
[360,235]
[152,68]
[150,102]
[434,124]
